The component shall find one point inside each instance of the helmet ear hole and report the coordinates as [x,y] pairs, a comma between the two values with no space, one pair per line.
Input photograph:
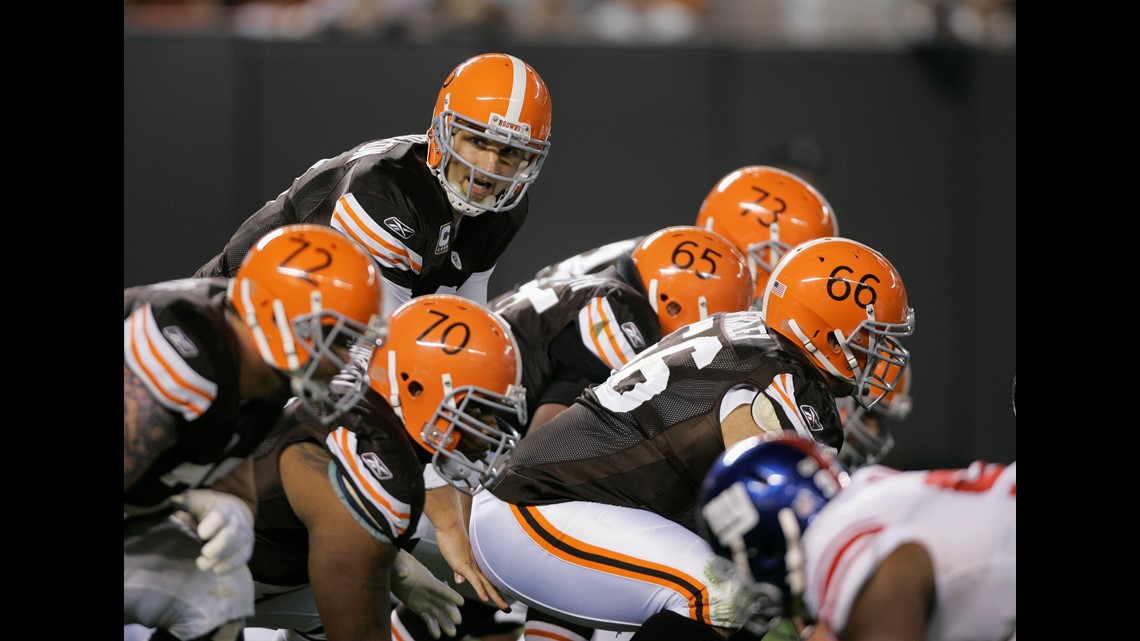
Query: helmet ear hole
[833,342]
[415,388]
[673,308]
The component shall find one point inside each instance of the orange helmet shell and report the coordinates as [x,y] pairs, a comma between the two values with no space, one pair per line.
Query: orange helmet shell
[691,273]
[845,304]
[503,99]
[436,344]
[764,212]
[297,275]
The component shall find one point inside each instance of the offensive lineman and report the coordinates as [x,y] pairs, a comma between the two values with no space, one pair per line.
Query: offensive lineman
[573,332]
[604,496]
[339,507]
[208,366]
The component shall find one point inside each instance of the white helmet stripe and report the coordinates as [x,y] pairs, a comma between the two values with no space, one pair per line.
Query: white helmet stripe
[518,89]
[393,385]
[251,321]
[284,328]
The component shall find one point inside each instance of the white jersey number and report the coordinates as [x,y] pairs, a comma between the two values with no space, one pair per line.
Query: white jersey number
[649,373]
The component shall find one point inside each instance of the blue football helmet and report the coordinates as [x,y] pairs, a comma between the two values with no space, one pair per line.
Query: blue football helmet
[755,502]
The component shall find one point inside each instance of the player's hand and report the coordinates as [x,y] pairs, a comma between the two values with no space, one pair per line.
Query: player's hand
[433,600]
[733,602]
[456,550]
[225,525]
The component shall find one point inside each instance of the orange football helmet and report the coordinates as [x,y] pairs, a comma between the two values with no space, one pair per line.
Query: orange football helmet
[765,212]
[305,292]
[846,305]
[867,443]
[690,273]
[446,365]
[502,99]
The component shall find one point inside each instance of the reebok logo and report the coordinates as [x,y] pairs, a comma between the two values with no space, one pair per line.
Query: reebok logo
[398,227]
[180,341]
[811,418]
[634,334]
[376,466]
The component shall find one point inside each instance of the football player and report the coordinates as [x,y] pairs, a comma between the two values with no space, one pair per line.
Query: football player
[339,508]
[573,332]
[868,435]
[435,210]
[208,365]
[763,211]
[604,496]
[879,554]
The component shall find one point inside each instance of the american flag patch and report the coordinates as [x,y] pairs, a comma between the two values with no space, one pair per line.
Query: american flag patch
[778,288]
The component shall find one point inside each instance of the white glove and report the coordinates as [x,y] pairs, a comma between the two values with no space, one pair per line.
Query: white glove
[433,600]
[225,524]
[734,601]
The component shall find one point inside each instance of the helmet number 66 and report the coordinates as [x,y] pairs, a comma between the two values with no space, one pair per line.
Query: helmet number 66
[839,287]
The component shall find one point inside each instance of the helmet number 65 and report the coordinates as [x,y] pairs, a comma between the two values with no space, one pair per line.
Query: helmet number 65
[684,258]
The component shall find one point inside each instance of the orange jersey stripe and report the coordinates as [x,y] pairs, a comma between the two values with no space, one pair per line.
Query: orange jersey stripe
[598,349]
[170,371]
[780,385]
[342,440]
[399,251]
[610,334]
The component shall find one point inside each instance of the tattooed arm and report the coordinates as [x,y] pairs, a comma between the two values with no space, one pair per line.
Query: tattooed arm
[148,429]
[349,569]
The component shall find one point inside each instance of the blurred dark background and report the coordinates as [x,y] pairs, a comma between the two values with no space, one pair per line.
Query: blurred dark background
[914,146]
